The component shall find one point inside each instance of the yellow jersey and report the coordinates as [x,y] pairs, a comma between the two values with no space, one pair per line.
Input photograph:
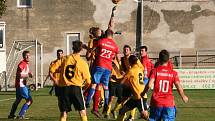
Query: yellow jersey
[56,74]
[134,79]
[73,71]
[115,71]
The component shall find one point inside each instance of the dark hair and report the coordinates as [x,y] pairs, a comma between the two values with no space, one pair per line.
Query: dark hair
[127,46]
[132,59]
[144,47]
[163,56]
[109,32]
[77,46]
[24,53]
[59,50]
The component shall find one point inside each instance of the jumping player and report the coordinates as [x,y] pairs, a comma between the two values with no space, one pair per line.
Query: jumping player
[106,51]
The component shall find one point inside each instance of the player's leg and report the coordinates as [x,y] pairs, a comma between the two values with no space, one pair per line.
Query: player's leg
[169,114]
[96,98]
[15,104]
[112,95]
[96,76]
[63,116]
[105,82]
[25,92]
[64,102]
[155,113]
[129,105]
[77,99]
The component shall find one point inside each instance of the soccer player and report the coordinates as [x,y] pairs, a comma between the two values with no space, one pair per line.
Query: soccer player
[162,104]
[134,80]
[57,72]
[114,89]
[74,73]
[147,63]
[106,51]
[22,92]
[95,35]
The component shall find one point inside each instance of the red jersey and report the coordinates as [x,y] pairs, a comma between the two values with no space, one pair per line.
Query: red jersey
[148,65]
[22,74]
[163,84]
[107,50]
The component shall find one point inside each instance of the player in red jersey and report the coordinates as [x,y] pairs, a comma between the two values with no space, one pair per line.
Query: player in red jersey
[22,74]
[146,62]
[162,104]
[95,34]
[106,50]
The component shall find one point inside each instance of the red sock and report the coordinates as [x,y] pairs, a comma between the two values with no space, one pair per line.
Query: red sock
[96,100]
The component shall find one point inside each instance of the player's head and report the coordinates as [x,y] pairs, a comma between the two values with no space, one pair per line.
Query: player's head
[59,53]
[143,51]
[77,46]
[109,33]
[163,56]
[132,59]
[26,55]
[126,50]
[95,32]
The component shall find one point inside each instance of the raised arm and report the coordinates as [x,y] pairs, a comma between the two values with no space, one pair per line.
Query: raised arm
[111,22]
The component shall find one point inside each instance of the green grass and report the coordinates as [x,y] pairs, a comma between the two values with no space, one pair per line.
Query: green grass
[201,107]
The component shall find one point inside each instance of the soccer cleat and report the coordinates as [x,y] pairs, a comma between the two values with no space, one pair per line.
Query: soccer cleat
[114,114]
[96,113]
[11,117]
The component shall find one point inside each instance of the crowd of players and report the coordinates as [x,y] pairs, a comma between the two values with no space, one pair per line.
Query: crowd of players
[107,75]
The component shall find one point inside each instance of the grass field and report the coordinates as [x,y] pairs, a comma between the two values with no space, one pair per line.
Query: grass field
[201,107]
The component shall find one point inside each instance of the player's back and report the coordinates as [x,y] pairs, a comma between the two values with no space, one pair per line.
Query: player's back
[106,51]
[136,81]
[164,80]
[74,70]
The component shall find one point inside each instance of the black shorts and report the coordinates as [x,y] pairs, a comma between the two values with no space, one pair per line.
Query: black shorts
[71,95]
[114,89]
[126,91]
[141,104]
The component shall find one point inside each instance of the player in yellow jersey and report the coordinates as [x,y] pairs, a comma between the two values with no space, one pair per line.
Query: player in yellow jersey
[57,72]
[134,80]
[74,73]
[125,66]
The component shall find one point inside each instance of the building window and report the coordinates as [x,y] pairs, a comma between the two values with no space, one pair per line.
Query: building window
[70,37]
[24,3]
[2,35]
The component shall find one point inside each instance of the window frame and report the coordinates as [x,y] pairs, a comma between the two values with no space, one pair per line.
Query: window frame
[24,6]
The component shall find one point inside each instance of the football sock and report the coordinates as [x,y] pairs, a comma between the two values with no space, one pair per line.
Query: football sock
[62,119]
[133,113]
[96,100]
[23,110]
[90,95]
[121,118]
[109,109]
[106,96]
[117,106]
[83,118]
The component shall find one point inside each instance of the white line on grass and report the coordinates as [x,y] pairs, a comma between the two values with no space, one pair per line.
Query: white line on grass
[7,99]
